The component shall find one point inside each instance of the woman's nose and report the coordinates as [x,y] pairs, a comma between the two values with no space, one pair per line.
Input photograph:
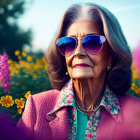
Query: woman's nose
[79,50]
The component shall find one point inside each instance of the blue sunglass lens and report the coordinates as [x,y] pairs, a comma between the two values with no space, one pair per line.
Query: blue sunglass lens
[93,44]
[66,45]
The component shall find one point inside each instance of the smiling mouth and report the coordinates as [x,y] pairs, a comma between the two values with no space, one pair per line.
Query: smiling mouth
[81,65]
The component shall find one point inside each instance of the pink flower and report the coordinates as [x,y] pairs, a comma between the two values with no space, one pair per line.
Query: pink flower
[94,128]
[62,100]
[4,72]
[97,113]
[68,100]
[71,88]
[66,95]
[88,125]
[73,116]
[136,57]
[71,96]
[74,109]
[89,135]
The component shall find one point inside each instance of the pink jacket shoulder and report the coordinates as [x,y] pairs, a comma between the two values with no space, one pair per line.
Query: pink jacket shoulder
[34,121]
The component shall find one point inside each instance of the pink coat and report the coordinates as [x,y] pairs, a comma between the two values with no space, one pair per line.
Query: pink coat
[36,122]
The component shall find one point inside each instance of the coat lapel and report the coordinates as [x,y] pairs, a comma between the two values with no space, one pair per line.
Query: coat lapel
[107,125]
[58,122]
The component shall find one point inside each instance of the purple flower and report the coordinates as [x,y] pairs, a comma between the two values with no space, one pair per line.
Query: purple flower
[4,72]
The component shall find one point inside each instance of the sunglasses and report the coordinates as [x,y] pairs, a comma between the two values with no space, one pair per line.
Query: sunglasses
[91,43]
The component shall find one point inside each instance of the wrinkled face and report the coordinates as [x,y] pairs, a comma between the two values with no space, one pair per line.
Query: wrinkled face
[80,64]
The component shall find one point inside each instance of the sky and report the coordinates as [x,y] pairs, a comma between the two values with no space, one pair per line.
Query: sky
[43,17]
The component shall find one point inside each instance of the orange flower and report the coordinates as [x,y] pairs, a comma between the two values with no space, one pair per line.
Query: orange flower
[27,94]
[23,54]
[30,71]
[134,87]
[7,101]
[34,75]
[17,52]
[29,58]
[20,103]
[19,110]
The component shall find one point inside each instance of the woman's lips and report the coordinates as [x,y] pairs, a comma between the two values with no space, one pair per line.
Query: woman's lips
[81,65]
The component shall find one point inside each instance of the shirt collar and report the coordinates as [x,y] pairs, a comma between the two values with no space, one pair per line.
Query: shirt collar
[111,103]
[66,97]
[109,100]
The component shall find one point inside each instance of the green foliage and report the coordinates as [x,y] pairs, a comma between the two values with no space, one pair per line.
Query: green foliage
[135,88]
[12,37]
[26,76]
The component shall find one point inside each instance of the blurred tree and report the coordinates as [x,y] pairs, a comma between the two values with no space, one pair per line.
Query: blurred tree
[12,37]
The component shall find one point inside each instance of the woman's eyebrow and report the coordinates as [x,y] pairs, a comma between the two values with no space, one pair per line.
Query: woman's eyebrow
[72,35]
[92,34]
[84,34]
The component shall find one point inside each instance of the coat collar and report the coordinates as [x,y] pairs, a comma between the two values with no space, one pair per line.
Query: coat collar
[58,116]
[58,122]
[111,103]
[66,98]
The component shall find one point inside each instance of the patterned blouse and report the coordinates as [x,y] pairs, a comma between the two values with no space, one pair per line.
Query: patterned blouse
[66,99]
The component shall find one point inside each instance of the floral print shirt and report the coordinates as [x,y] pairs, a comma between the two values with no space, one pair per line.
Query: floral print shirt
[66,99]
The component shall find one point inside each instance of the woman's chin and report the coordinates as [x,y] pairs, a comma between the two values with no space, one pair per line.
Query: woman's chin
[82,75]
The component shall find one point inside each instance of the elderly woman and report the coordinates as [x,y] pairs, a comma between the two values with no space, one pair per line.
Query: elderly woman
[89,66]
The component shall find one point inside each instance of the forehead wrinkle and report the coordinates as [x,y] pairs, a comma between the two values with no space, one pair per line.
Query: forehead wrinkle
[80,36]
[83,34]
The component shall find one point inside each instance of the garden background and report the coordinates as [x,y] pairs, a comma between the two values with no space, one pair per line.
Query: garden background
[23,69]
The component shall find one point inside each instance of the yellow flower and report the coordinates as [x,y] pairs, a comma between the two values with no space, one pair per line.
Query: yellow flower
[43,59]
[30,71]
[12,74]
[134,72]
[134,87]
[27,94]
[3,100]
[22,63]
[29,58]
[137,91]
[36,67]
[10,61]
[19,57]
[19,110]
[17,52]
[23,54]
[32,64]
[46,67]
[24,69]
[38,61]
[7,101]
[20,103]
[34,75]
